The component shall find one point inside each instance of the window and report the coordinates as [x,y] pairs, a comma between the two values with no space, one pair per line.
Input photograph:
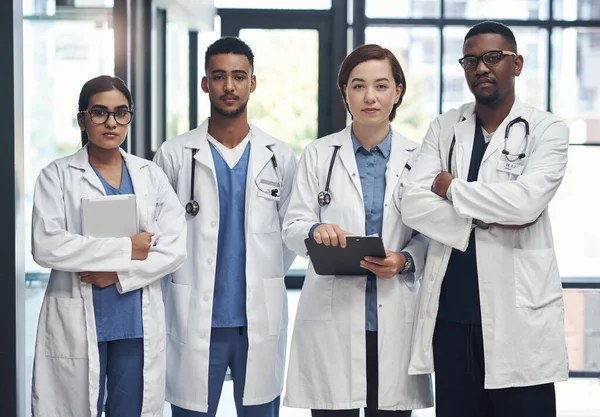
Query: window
[274,4]
[417,49]
[402,9]
[178,118]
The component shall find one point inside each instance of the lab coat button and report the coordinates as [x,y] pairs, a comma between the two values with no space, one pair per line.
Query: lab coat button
[213,223]
[206,297]
[209,261]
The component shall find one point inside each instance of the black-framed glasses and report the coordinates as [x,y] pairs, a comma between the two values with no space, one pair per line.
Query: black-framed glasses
[100,116]
[469,62]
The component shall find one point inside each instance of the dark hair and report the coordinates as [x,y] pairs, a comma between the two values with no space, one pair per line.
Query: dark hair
[366,53]
[100,85]
[229,45]
[493,27]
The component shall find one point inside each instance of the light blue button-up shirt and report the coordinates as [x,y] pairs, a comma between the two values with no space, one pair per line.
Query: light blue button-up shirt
[372,166]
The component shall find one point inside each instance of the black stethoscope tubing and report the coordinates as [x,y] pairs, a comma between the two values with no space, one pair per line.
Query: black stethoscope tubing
[324,197]
[505,152]
[192,207]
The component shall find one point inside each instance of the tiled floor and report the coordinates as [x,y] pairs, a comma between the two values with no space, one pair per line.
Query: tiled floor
[575,398]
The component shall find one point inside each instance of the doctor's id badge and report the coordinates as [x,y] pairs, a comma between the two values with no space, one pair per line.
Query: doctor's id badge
[512,167]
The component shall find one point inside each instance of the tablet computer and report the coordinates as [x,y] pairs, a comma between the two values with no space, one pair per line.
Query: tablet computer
[335,260]
[109,216]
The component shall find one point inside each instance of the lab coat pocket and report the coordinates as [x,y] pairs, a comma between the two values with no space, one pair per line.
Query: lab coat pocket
[316,299]
[177,305]
[537,280]
[65,328]
[264,214]
[274,292]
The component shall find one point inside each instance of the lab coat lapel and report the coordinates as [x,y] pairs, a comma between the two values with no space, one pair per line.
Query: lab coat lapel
[348,158]
[260,155]
[464,133]
[80,161]
[199,141]
[399,156]
[139,179]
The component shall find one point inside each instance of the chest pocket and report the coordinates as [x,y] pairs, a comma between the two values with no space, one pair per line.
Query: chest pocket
[265,217]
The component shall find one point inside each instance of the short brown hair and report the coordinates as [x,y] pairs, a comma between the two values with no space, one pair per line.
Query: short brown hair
[366,53]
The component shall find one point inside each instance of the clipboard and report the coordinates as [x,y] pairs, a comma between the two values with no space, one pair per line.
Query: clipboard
[335,260]
[109,216]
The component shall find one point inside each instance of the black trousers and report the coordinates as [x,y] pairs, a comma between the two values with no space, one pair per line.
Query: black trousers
[459,380]
[372,409]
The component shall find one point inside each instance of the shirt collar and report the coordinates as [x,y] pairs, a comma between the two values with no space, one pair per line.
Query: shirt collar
[384,147]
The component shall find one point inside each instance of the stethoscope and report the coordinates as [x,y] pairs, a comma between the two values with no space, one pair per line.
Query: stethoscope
[192,208]
[511,157]
[324,198]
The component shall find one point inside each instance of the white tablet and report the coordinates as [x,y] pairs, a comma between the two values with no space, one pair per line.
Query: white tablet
[109,216]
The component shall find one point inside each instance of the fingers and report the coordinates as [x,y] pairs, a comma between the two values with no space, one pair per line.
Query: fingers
[380,271]
[330,235]
[340,235]
[387,261]
[317,237]
[85,274]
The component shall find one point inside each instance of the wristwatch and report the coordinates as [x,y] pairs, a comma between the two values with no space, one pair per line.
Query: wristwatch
[407,264]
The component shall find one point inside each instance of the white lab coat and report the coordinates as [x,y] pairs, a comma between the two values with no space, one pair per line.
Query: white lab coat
[189,295]
[519,283]
[327,367]
[66,364]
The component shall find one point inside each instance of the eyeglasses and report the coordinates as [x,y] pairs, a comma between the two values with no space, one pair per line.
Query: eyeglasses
[100,116]
[469,62]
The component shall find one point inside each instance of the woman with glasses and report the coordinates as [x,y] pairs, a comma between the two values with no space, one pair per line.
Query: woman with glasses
[101,334]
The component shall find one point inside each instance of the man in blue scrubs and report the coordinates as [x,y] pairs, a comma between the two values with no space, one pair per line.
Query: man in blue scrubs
[227,307]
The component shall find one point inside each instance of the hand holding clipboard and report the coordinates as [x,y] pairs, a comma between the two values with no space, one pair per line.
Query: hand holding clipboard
[341,253]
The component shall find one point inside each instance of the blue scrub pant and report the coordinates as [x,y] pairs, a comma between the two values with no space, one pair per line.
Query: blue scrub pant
[459,380]
[121,369]
[229,347]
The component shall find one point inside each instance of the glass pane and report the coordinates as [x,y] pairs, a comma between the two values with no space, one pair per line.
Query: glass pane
[496,10]
[283,73]
[575,83]
[582,329]
[274,4]
[178,111]
[417,49]
[573,210]
[94,3]
[402,8]
[58,58]
[577,9]
[530,85]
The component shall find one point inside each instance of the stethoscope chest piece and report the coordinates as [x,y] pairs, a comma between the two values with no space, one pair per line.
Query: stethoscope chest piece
[324,198]
[192,208]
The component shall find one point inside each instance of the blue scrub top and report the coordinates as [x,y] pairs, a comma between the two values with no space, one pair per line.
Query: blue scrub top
[118,316]
[229,302]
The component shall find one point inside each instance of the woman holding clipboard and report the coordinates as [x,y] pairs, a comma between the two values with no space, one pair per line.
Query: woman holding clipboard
[101,332]
[352,336]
